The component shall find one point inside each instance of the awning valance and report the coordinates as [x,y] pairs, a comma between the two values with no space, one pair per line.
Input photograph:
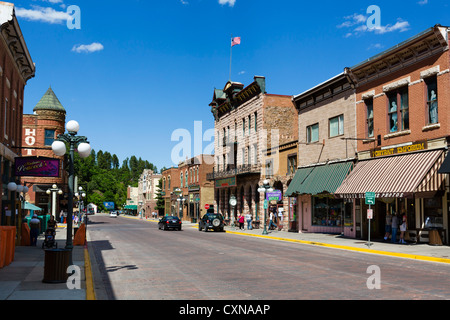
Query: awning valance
[319,179]
[394,176]
[131,207]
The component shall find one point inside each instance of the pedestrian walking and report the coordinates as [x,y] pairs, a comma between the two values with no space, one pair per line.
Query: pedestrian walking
[248,217]
[403,227]
[241,221]
[394,228]
[35,227]
[388,226]
[280,219]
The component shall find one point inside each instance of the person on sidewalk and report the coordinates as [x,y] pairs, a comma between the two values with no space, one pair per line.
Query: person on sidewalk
[241,221]
[52,224]
[394,228]
[35,226]
[388,227]
[403,227]
[248,217]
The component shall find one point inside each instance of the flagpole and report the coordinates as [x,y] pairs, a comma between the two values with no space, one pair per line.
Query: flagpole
[231,55]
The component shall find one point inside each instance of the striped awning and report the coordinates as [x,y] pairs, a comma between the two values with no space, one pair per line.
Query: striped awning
[395,176]
[319,179]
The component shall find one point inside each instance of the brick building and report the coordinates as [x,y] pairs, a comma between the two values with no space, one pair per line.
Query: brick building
[403,128]
[188,182]
[196,189]
[247,122]
[40,129]
[147,188]
[170,192]
[327,152]
[16,68]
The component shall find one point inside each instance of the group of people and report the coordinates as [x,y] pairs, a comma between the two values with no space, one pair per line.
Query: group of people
[393,223]
[273,220]
[241,220]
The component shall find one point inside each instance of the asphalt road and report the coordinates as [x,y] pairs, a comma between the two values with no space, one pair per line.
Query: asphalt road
[133,260]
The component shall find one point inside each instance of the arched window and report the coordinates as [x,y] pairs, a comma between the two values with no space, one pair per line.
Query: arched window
[181,179]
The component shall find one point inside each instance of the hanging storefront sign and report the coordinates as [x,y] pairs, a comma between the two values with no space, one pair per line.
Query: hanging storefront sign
[36,167]
[274,196]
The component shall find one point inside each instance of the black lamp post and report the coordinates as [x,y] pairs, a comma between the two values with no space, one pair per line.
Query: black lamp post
[265,188]
[84,150]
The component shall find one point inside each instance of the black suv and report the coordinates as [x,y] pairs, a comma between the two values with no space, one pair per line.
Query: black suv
[211,221]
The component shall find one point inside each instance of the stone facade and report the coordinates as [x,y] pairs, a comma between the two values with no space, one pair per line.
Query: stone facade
[147,188]
[248,121]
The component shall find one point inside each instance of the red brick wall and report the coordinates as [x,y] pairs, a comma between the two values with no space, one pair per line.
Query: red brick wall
[417,104]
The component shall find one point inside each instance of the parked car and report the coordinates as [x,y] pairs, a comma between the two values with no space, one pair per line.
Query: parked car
[211,221]
[169,222]
[113,214]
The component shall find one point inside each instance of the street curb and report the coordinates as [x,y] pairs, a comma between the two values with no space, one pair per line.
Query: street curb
[90,293]
[379,252]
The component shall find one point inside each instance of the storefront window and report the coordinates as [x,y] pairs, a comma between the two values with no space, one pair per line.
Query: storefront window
[433,213]
[331,212]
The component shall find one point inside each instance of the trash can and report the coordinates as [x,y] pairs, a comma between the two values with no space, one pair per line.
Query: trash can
[56,264]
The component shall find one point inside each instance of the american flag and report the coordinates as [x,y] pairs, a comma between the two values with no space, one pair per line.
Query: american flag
[235,41]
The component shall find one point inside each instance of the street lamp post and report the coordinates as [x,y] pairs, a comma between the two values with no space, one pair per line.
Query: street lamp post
[80,195]
[84,150]
[233,203]
[53,190]
[265,188]
[180,200]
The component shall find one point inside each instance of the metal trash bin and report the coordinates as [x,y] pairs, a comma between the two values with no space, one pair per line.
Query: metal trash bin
[56,264]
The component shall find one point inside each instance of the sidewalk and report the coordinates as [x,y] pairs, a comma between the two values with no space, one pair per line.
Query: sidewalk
[22,279]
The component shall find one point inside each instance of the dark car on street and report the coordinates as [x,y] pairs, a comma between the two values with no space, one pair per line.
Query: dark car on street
[169,222]
[211,221]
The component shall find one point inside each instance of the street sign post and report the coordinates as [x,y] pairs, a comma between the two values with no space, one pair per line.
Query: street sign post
[370,200]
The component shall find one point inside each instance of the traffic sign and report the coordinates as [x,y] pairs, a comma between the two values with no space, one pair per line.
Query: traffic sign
[370,198]
[206,206]
[369,214]
[266,204]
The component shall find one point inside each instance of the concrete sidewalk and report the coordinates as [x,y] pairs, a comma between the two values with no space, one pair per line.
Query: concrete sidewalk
[22,279]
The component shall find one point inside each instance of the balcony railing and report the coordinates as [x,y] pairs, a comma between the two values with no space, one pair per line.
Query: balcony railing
[233,170]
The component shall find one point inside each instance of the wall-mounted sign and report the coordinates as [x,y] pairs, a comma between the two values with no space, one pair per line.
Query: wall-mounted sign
[228,182]
[415,146]
[36,167]
[274,196]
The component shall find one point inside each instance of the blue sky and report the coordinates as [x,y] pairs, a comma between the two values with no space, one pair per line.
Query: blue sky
[137,70]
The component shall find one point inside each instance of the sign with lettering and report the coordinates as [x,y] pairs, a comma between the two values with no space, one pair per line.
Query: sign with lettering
[228,182]
[275,195]
[36,167]
[415,146]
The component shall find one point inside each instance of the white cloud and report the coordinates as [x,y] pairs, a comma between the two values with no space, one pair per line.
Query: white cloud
[48,15]
[423,2]
[88,48]
[184,2]
[358,24]
[229,2]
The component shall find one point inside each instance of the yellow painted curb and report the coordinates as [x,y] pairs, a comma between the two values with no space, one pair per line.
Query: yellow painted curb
[387,253]
[90,293]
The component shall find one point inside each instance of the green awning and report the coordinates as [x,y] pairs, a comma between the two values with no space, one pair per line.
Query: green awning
[319,179]
[131,207]
[29,206]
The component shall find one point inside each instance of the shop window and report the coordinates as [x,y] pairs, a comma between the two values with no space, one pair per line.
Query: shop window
[369,117]
[336,126]
[330,212]
[312,133]
[432,103]
[433,213]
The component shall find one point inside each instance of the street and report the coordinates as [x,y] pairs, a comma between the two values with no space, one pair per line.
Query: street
[133,260]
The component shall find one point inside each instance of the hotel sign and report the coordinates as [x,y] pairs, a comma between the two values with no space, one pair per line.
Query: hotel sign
[228,182]
[415,146]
